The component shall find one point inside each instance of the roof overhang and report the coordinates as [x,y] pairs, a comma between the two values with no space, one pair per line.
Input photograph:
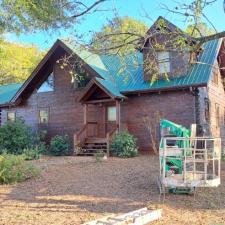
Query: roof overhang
[90,88]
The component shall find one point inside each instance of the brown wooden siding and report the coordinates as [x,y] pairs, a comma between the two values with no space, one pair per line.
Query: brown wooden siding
[175,106]
[65,112]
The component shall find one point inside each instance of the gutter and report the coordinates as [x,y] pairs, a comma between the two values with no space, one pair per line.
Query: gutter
[8,104]
[164,89]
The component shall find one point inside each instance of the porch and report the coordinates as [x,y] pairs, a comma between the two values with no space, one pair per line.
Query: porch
[101,121]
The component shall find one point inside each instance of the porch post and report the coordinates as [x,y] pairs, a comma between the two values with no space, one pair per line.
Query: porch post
[118,114]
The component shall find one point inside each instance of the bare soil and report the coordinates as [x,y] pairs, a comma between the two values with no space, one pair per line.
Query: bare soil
[73,190]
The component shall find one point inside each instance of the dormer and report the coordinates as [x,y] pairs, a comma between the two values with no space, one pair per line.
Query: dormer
[167,51]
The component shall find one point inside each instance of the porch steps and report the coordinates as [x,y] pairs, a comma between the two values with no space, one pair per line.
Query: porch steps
[92,146]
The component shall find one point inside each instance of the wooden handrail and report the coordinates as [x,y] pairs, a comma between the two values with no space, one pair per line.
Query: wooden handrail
[78,137]
[81,130]
[109,136]
[113,130]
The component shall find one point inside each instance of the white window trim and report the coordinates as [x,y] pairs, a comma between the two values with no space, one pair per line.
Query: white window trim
[108,119]
[164,62]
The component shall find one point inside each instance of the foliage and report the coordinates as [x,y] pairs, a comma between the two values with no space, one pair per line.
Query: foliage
[115,33]
[201,29]
[39,140]
[98,156]
[59,145]
[15,136]
[223,156]
[31,153]
[17,61]
[14,169]
[30,15]
[124,145]
[152,125]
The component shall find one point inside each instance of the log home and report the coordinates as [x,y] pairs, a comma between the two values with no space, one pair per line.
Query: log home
[93,109]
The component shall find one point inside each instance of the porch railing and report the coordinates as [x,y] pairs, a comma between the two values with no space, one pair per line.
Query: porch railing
[109,137]
[84,133]
[79,137]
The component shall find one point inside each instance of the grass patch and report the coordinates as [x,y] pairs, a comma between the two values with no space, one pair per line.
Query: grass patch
[14,168]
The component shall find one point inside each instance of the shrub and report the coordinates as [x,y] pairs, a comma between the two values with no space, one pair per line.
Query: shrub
[42,148]
[15,136]
[99,156]
[124,145]
[31,153]
[223,156]
[14,169]
[59,145]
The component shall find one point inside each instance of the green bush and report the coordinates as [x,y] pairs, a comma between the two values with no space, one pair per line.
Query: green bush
[124,145]
[59,145]
[14,169]
[14,137]
[31,153]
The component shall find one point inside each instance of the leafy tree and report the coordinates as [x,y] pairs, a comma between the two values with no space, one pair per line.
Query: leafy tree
[118,32]
[201,29]
[17,61]
[30,15]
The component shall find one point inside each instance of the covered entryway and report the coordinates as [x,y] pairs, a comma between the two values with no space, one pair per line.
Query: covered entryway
[101,119]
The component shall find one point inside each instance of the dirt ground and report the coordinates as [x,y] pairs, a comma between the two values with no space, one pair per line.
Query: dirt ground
[73,190]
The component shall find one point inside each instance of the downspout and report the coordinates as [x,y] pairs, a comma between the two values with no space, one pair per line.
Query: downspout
[197,118]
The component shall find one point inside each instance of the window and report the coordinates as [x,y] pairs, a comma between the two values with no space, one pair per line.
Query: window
[43,116]
[163,62]
[11,116]
[207,115]
[48,84]
[217,115]
[81,78]
[111,113]
[83,81]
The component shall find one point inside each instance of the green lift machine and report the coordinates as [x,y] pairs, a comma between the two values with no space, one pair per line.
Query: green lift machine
[169,129]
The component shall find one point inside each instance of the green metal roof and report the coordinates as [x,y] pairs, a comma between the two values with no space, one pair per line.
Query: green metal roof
[8,91]
[121,75]
[111,88]
[126,74]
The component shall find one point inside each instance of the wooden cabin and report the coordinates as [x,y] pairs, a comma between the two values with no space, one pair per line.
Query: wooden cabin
[107,100]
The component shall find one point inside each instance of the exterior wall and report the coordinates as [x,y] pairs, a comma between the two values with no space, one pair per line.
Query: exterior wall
[66,114]
[176,106]
[216,95]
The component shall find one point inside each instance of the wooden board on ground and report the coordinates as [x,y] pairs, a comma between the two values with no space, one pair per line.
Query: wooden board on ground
[138,217]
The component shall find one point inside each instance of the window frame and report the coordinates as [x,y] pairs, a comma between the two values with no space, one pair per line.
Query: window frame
[39,115]
[108,118]
[53,84]
[207,110]
[164,62]
[8,119]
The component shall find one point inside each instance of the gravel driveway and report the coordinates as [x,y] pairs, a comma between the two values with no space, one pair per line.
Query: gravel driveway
[73,190]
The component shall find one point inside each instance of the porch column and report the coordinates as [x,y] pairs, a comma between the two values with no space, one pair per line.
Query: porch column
[118,114]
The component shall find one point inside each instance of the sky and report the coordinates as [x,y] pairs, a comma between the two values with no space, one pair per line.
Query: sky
[137,9]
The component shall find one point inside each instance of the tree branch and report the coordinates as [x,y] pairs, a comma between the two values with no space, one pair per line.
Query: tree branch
[88,9]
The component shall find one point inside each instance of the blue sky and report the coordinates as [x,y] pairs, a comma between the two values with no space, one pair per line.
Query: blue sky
[133,8]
